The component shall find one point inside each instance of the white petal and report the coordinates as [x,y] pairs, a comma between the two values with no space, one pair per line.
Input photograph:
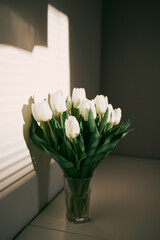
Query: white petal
[118,115]
[72,128]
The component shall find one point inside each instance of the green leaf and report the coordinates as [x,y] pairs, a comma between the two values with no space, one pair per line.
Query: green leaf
[85,170]
[97,121]
[63,151]
[70,150]
[54,125]
[91,121]
[101,153]
[81,120]
[66,165]
[109,144]
[108,135]
[37,135]
[64,145]
[80,142]
[51,139]
[93,145]
[64,117]
[80,150]
[55,122]
[109,125]
[75,112]
[104,121]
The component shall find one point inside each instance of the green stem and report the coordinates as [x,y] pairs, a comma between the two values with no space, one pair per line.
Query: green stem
[61,120]
[44,129]
[52,134]
[100,118]
[74,145]
[78,200]
[51,130]
[78,114]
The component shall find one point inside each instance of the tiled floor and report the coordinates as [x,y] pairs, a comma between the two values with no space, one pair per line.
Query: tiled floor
[125,205]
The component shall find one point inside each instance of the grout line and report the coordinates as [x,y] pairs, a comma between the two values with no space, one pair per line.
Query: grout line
[46,205]
[29,223]
[49,228]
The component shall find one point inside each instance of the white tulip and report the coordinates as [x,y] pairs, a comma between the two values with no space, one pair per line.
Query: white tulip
[41,111]
[69,104]
[101,103]
[78,94]
[72,128]
[58,102]
[84,108]
[110,111]
[117,116]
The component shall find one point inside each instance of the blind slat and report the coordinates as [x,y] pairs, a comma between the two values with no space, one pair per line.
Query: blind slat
[11,156]
[15,166]
[16,176]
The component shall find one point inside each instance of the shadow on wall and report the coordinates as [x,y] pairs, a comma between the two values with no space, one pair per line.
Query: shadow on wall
[40,160]
[23,24]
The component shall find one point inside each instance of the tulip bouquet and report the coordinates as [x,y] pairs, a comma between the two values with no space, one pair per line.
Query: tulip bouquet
[76,132]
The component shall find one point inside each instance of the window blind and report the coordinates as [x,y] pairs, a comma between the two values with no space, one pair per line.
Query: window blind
[24,74]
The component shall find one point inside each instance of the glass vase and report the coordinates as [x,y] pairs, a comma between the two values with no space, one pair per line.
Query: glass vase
[77,199]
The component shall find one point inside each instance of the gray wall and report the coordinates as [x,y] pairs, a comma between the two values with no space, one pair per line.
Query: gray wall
[23,24]
[85,42]
[131,71]
[26,199]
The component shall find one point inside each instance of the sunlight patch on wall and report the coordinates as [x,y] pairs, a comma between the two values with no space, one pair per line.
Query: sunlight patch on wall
[22,75]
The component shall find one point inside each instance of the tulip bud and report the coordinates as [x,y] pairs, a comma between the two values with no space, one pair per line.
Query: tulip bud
[69,104]
[101,103]
[84,108]
[72,128]
[58,102]
[110,111]
[41,111]
[78,95]
[117,115]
